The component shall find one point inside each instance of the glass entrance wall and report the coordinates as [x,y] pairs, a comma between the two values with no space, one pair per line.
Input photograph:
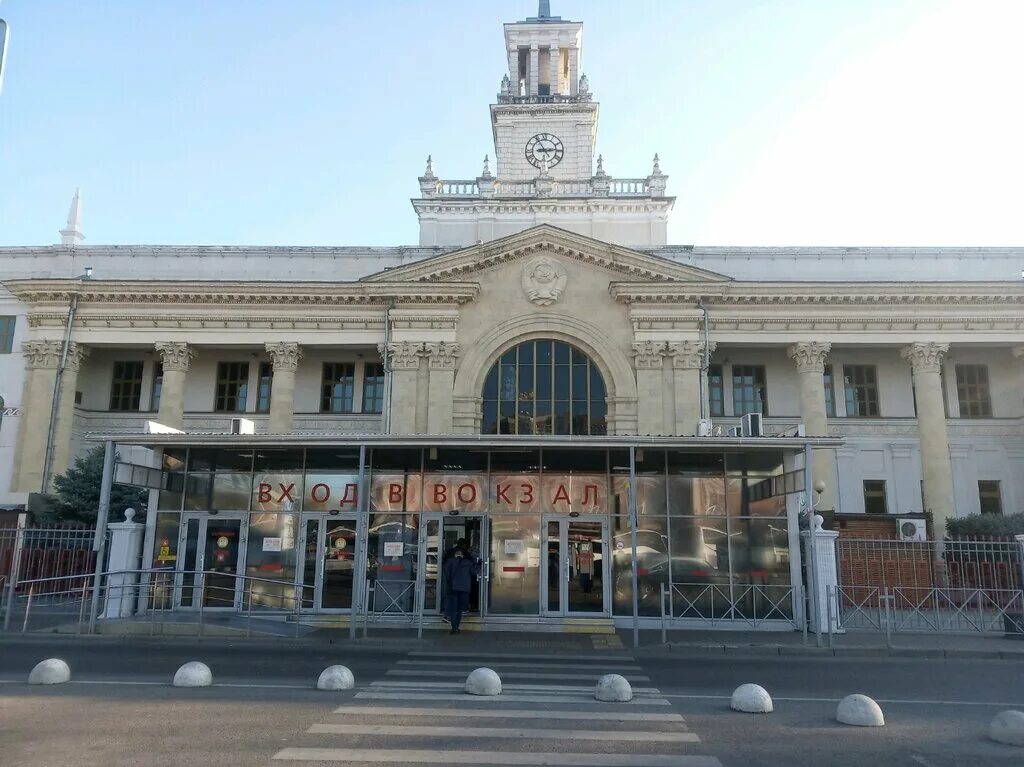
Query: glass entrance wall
[704,528]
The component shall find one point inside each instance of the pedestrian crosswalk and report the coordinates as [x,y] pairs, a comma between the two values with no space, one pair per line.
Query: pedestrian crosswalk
[546,715]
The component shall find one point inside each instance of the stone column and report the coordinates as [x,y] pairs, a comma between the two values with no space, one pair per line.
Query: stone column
[41,361]
[61,449]
[533,76]
[810,359]
[513,70]
[176,356]
[574,71]
[285,357]
[554,61]
[936,467]
[402,360]
[649,357]
[687,357]
[441,362]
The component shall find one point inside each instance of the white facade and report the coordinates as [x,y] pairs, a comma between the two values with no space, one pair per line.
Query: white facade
[439,314]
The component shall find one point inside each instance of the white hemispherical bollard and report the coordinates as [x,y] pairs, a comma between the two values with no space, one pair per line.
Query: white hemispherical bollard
[859,711]
[483,681]
[50,671]
[1008,727]
[193,674]
[613,688]
[336,678]
[751,699]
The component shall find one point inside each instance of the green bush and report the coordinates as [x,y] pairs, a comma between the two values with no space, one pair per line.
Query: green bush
[986,524]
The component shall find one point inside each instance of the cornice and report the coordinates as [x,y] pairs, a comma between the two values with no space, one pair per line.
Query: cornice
[260,293]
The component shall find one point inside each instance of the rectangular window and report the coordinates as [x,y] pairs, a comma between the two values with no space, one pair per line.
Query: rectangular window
[158,385]
[6,334]
[265,384]
[749,392]
[337,387]
[232,387]
[990,497]
[716,391]
[861,384]
[874,497]
[972,391]
[373,387]
[830,392]
[126,386]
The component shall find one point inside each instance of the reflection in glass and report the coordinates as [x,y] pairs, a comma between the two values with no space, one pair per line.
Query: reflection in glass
[339,564]
[652,564]
[586,546]
[391,552]
[222,547]
[515,565]
[270,556]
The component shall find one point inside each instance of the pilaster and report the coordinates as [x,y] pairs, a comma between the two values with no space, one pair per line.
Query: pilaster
[441,362]
[42,358]
[533,76]
[176,358]
[687,362]
[61,449]
[649,360]
[402,359]
[936,467]
[285,358]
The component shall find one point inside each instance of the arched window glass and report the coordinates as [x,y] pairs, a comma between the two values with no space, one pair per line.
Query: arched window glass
[544,387]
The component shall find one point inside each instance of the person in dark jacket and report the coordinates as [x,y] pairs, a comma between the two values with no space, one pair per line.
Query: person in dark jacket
[459,573]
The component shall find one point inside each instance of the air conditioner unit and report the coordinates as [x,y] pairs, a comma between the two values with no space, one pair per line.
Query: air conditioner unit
[242,426]
[912,529]
[751,425]
[704,427]
[734,431]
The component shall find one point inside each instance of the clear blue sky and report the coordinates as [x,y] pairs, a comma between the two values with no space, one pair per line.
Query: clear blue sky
[780,122]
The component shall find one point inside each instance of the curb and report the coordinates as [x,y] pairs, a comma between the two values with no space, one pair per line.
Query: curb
[933,653]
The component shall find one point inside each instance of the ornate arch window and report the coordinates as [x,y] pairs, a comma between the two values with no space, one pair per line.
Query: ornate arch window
[544,387]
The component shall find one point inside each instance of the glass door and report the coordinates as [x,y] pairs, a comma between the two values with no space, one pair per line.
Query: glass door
[328,572]
[439,536]
[214,553]
[575,566]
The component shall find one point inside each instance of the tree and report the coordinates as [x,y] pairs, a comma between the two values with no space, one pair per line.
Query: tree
[78,491]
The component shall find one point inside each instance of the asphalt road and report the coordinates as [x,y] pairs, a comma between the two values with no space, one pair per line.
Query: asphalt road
[120,710]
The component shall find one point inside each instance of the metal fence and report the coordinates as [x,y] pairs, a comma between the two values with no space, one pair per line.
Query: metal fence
[55,551]
[953,586]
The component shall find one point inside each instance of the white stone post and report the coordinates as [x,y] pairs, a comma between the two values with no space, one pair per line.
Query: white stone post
[825,572]
[125,554]
[286,358]
[810,359]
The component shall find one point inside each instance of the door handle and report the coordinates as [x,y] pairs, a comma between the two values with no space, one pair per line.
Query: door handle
[568,572]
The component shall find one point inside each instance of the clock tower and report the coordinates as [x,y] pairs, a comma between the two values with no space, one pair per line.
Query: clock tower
[544,126]
[545,113]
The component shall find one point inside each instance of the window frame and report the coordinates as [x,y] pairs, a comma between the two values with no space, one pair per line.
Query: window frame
[994,491]
[758,388]
[373,387]
[980,388]
[328,395]
[126,391]
[828,381]
[232,387]
[156,387]
[8,325]
[716,391]
[876,493]
[264,386]
[853,391]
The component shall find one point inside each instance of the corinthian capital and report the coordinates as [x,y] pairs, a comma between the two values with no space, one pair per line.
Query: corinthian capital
[442,355]
[42,354]
[285,356]
[175,355]
[76,353]
[810,356]
[687,354]
[649,354]
[926,357]
[402,355]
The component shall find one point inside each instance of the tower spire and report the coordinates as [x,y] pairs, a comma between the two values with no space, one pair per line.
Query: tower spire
[72,233]
[544,11]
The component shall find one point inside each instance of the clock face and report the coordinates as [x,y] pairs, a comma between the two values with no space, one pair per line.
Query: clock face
[544,147]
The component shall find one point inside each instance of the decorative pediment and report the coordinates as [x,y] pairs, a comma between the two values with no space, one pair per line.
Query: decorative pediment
[631,264]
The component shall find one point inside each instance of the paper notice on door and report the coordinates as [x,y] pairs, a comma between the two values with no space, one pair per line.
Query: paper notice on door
[393,548]
[514,546]
[271,544]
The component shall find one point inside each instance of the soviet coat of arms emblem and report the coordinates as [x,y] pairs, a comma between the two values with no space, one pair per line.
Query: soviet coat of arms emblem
[543,280]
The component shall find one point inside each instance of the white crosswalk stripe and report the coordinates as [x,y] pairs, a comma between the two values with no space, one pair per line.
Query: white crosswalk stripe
[546,715]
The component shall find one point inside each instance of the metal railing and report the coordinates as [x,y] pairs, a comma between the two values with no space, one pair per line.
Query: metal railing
[403,600]
[952,586]
[749,604]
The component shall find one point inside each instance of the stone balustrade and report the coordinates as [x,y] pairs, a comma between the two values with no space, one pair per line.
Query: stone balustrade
[597,186]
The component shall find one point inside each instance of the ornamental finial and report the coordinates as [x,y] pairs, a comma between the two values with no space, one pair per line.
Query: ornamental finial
[600,165]
[584,85]
[657,165]
[430,167]
[487,167]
